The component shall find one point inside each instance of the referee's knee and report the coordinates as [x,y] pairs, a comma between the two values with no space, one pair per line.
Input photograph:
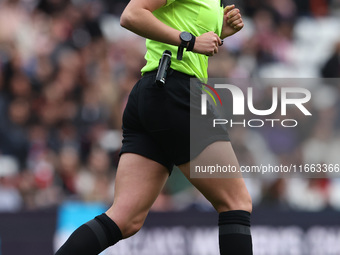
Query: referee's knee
[243,203]
[132,228]
[129,224]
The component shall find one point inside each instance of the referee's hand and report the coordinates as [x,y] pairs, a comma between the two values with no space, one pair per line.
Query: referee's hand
[232,21]
[207,44]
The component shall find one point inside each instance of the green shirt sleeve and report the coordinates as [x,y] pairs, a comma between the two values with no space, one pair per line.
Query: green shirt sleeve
[168,2]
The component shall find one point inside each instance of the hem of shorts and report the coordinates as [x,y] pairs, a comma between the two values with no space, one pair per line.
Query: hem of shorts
[206,143]
[146,156]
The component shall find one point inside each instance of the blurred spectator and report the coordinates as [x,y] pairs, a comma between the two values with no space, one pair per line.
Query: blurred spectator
[334,193]
[313,7]
[331,69]
[273,36]
[68,169]
[13,132]
[274,194]
[95,182]
[10,198]
[307,194]
[91,110]
[319,7]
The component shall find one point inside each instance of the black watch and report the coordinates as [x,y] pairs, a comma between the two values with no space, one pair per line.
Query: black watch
[187,41]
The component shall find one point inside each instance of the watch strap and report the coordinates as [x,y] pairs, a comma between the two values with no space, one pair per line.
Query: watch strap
[191,43]
[181,50]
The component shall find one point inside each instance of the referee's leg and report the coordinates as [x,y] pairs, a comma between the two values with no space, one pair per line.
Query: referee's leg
[139,181]
[229,196]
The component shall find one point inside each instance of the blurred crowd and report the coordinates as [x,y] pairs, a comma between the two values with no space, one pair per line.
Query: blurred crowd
[67,67]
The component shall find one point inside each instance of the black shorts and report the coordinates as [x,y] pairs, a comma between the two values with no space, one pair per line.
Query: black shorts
[156,122]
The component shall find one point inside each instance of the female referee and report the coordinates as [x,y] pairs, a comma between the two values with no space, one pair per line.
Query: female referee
[156,128]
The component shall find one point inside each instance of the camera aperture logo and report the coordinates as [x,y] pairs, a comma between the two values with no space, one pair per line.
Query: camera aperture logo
[293,97]
[204,102]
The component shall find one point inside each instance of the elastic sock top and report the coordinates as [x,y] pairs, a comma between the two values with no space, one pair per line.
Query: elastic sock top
[110,227]
[234,217]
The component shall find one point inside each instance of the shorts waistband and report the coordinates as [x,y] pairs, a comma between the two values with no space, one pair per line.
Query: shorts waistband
[171,72]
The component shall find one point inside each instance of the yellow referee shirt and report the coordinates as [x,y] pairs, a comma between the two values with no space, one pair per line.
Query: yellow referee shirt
[193,16]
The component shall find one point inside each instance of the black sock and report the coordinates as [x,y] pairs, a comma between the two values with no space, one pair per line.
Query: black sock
[92,237]
[234,233]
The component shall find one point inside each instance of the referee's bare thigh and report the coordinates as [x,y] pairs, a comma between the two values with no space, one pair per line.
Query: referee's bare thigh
[225,194]
[139,181]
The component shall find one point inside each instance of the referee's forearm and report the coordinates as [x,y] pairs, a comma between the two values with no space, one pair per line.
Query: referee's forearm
[145,24]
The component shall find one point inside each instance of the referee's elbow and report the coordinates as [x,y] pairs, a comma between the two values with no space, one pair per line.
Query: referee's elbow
[126,20]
